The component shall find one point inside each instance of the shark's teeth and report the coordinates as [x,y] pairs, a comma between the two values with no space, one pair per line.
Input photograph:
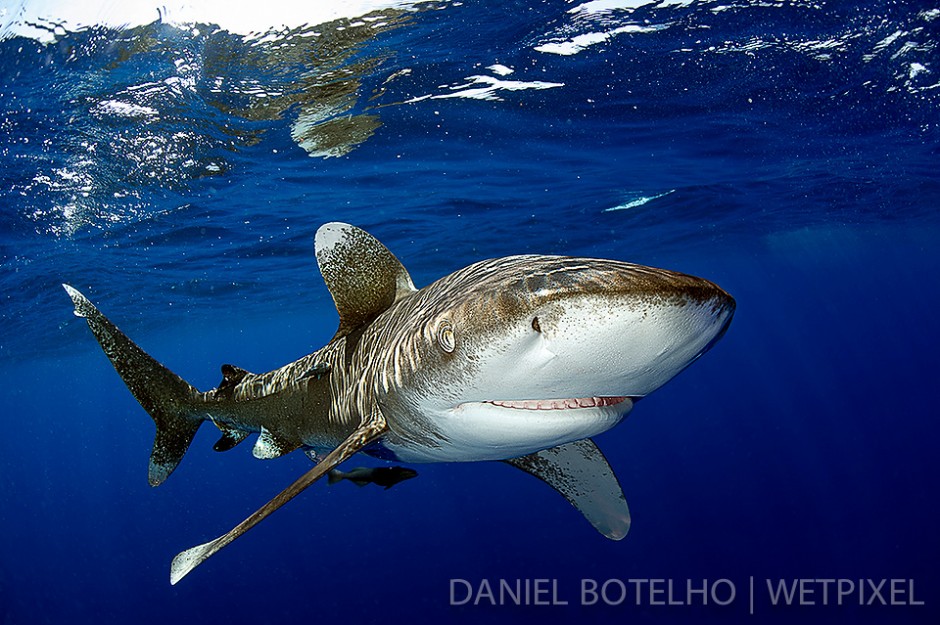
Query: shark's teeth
[559,404]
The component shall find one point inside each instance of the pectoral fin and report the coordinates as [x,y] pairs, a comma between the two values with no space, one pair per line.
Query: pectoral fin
[580,472]
[370,430]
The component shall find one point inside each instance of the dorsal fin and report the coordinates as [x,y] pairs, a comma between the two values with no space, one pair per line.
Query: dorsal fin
[232,374]
[231,377]
[363,277]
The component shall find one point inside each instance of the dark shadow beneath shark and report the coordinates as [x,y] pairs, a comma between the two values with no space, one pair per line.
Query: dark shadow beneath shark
[520,359]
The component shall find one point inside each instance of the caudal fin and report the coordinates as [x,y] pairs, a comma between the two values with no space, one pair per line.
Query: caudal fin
[171,402]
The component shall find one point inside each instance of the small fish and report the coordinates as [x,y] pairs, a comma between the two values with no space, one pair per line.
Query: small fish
[380,476]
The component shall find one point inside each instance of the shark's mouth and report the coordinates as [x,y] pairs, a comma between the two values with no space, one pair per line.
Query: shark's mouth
[560,404]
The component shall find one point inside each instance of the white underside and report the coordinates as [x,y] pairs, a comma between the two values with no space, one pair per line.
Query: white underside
[485,431]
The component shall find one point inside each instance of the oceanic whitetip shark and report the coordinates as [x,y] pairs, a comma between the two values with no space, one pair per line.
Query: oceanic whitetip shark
[521,359]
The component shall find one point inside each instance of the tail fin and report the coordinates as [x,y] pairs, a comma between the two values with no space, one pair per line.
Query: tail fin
[171,402]
[335,476]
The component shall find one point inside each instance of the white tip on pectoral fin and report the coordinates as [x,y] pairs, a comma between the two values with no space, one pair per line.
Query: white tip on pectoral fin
[369,431]
[581,474]
[186,561]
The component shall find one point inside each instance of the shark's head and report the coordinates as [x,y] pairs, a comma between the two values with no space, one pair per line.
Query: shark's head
[512,355]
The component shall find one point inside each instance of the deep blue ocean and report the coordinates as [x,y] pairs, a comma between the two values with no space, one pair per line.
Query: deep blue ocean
[176,170]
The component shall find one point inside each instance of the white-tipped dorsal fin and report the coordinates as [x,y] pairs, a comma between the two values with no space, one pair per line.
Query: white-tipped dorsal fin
[363,277]
[581,474]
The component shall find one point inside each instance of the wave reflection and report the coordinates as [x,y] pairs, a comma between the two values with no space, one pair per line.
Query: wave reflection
[155,107]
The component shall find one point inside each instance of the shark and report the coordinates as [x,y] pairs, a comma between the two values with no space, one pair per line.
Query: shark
[520,359]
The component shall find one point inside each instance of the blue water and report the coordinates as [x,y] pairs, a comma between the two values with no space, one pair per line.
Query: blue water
[176,174]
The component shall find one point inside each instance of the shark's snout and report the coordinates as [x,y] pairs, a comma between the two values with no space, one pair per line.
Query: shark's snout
[724,313]
[616,329]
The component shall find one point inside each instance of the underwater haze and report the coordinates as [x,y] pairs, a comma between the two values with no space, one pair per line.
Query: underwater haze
[173,163]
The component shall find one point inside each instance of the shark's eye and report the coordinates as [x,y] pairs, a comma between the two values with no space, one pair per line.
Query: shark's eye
[445,336]
[536,325]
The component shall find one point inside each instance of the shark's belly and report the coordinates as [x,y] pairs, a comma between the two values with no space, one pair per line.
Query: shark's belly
[485,431]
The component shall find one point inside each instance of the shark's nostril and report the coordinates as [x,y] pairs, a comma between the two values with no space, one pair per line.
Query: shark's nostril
[536,325]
